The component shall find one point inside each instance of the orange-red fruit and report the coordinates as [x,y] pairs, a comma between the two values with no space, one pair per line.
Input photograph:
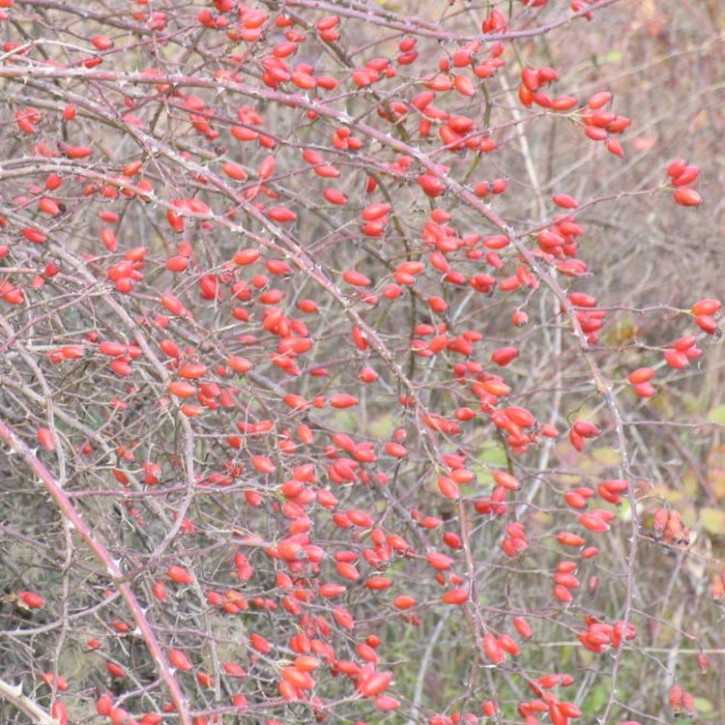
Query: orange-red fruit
[246,256]
[375,683]
[645,390]
[375,211]
[59,712]
[385,703]
[504,355]
[102,42]
[331,590]
[565,201]
[46,438]
[707,324]
[172,303]
[397,450]
[77,152]
[179,575]
[115,671]
[641,375]
[439,561]
[259,643]
[355,278]
[522,627]
[685,196]
[52,679]
[599,100]
[378,583]
[431,185]
[562,593]
[706,307]
[685,343]
[455,596]
[49,206]
[686,177]
[586,429]
[509,645]
[266,167]
[181,389]
[492,649]
[335,197]
[34,235]
[192,371]
[489,708]
[563,103]
[342,400]
[593,522]
[675,698]
[240,364]
[676,168]
[104,705]
[567,538]
[298,678]
[448,487]
[676,359]
[178,263]
[263,464]
[614,147]
[595,133]
[506,480]
[575,499]
[404,601]
[179,660]
[464,85]
[307,663]
[569,709]
[32,600]
[234,171]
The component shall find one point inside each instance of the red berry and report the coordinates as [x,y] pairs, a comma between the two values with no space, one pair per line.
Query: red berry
[32,600]
[687,197]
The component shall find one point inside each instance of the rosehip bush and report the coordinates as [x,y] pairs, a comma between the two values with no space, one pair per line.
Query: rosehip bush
[337,381]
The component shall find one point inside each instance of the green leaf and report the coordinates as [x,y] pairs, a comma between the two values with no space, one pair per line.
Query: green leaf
[494,454]
[608,455]
[716,415]
[713,520]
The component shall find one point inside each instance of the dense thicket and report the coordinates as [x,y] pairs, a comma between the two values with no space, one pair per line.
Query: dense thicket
[359,362]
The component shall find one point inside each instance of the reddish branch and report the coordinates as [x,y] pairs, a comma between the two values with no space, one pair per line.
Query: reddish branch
[113,567]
